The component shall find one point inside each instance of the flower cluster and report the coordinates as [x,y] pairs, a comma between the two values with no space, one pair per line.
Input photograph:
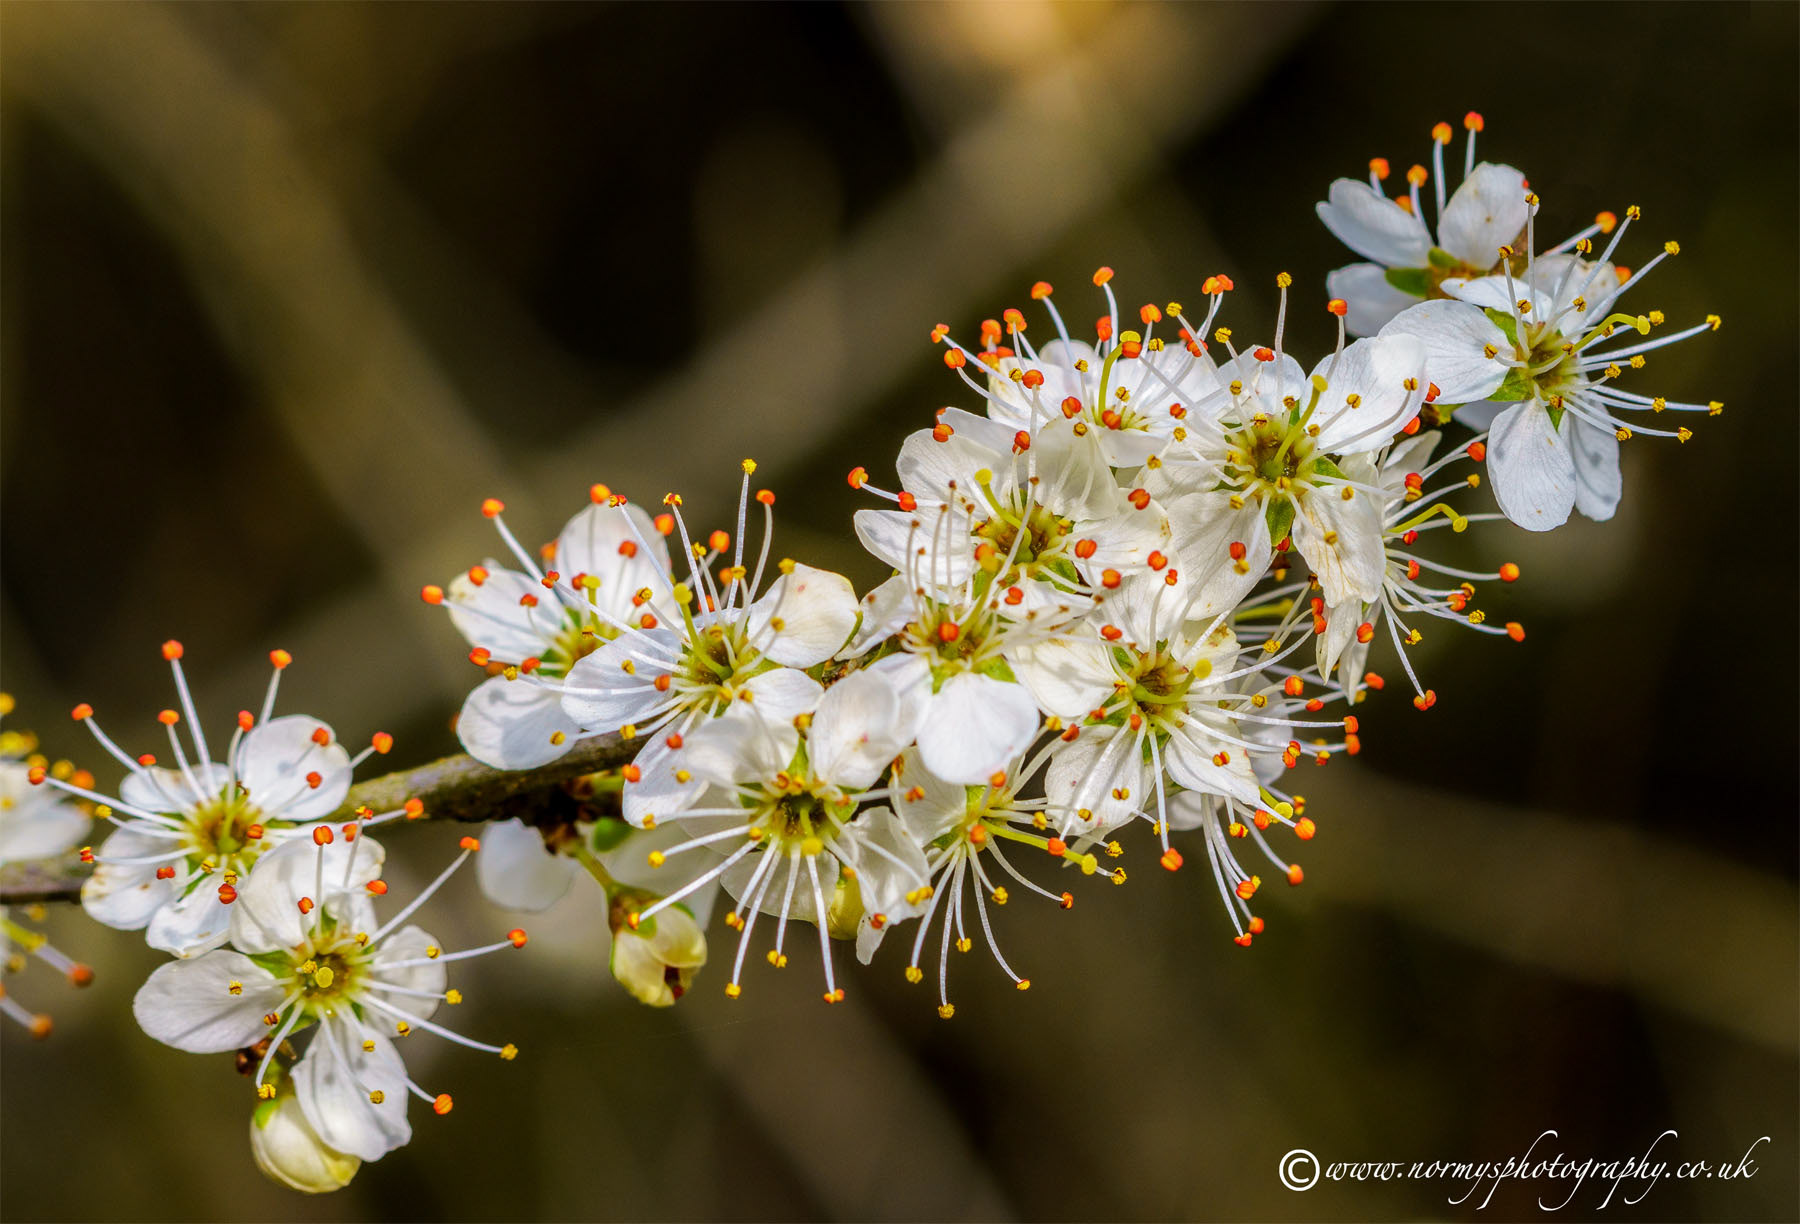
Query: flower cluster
[1140,572]
[1137,577]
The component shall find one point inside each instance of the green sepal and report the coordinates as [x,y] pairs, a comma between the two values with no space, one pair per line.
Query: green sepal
[1440,258]
[1505,323]
[1280,517]
[1322,466]
[1516,386]
[1414,282]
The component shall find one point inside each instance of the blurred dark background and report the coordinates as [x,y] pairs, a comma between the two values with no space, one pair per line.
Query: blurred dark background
[288,289]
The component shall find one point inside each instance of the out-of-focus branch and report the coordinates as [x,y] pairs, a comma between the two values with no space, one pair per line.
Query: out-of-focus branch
[451,788]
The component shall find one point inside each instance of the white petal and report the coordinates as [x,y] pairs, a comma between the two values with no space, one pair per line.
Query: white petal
[1067,676]
[782,694]
[1486,213]
[517,871]
[804,618]
[1376,372]
[661,790]
[126,896]
[856,731]
[412,946]
[628,863]
[189,1005]
[1374,226]
[194,924]
[1530,468]
[927,804]
[156,789]
[1352,565]
[892,536]
[277,761]
[515,724]
[1191,761]
[1455,335]
[885,611]
[1595,453]
[975,727]
[288,1150]
[1370,299]
[885,879]
[600,695]
[590,543]
[266,916]
[493,614]
[35,821]
[334,1080]
[738,746]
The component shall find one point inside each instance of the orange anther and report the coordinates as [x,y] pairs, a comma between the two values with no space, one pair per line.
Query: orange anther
[480,656]
[1295,875]
[1040,291]
[1111,633]
[765,497]
[647,621]
[1338,307]
[718,541]
[171,650]
[1071,407]
[953,357]
[306,905]
[82,711]
[907,502]
[377,887]
[1473,121]
[1102,275]
[227,894]
[1156,560]
[430,594]
[518,937]
[254,833]
[470,843]
[165,873]
[1515,631]
[1264,354]
[1171,859]
[1256,926]
[1085,549]
[414,808]
[323,836]
[1374,681]
[1110,579]
[1242,941]
[492,507]
[939,332]
[1237,550]
[1293,686]
[1365,632]
[941,432]
[146,759]
[1021,442]
[599,494]
[1607,221]
[1440,132]
[1477,451]
[1139,498]
[632,773]
[1103,327]
[1150,314]
[1426,700]
[1432,392]
[1378,166]
[1304,828]
[949,631]
[1068,900]
[1014,596]
[1056,847]
[665,523]
[1015,321]
[1509,572]
[382,742]
[1416,175]
[442,1104]
[1032,379]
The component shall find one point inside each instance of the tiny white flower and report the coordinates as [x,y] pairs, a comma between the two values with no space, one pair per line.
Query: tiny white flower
[1532,343]
[188,836]
[306,952]
[1485,213]
[724,646]
[607,571]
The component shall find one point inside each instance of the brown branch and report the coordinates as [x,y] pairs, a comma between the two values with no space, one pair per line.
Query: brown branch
[451,788]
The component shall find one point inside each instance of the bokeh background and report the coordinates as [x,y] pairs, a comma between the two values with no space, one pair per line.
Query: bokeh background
[288,289]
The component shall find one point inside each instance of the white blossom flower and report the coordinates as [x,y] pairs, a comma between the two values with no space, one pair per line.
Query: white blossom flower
[1531,343]
[36,826]
[306,951]
[967,832]
[607,570]
[785,801]
[662,682]
[1485,213]
[1409,509]
[188,836]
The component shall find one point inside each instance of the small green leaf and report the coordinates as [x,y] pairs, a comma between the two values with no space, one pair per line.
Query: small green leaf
[1413,281]
[1440,258]
[1322,466]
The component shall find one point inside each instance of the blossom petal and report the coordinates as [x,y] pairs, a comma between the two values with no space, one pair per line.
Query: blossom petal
[1530,468]
[976,726]
[1370,300]
[1375,387]
[804,618]
[125,896]
[507,613]
[1456,336]
[335,1080]
[517,871]
[600,694]
[515,724]
[1342,542]
[856,731]
[1067,676]
[266,916]
[1484,214]
[191,925]
[278,761]
[1374,226]
[1595,453]
[188,1004]
[411,946]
